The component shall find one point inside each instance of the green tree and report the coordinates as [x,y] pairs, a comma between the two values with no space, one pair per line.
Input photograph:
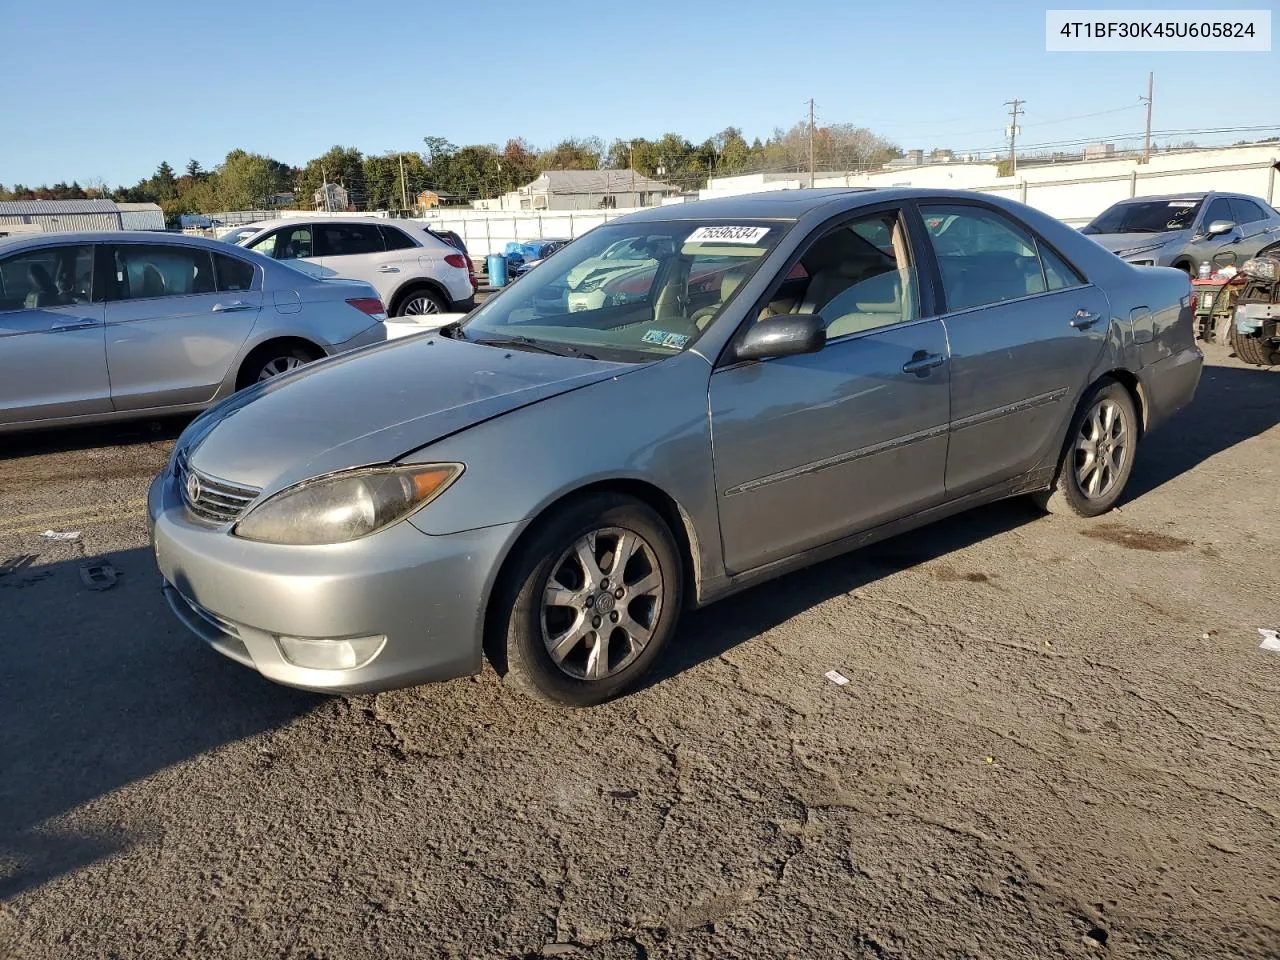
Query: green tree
[519,165]
[163,183]
[572,153]
[340,165]
[382,178]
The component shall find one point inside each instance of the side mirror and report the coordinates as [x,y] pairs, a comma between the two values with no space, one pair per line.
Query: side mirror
[1219,227]
[786,335]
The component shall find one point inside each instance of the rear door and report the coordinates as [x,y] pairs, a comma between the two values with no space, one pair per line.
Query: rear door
[177,317]
[1025,329]
[52,354]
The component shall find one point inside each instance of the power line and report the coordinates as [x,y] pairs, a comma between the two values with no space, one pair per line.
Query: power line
[1013,104]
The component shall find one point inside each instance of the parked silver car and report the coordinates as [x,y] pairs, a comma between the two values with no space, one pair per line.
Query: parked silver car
[553,487]
[107,326]
[1184,230]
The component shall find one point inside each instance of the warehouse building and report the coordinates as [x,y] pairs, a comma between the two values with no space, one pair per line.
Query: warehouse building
[58,216]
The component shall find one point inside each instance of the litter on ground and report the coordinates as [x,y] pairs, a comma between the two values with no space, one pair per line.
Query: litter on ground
[56,535]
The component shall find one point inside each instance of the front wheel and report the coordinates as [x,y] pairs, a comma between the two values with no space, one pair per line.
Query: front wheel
[590,601]
[1098,454]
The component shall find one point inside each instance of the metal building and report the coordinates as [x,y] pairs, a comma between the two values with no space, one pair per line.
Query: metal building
[57,216]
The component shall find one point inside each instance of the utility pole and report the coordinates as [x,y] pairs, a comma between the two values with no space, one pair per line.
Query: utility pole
[404,190]
[1014,105]
[324,187]
[1146,143]
[811,143]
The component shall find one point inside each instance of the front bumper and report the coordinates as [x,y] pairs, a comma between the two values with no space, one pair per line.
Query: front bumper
[425,594]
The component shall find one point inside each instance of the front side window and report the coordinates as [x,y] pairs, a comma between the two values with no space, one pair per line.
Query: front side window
[1219,209]
[347,239]
[859,276]
[47,277]
[287,243]
[146,271]
[231,273]
[1145,216]
[983,256]
[629,291]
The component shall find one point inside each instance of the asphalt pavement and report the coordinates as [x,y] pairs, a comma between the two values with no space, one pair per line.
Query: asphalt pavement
[1058,738]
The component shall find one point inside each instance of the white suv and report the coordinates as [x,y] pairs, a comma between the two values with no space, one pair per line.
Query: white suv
[414,271]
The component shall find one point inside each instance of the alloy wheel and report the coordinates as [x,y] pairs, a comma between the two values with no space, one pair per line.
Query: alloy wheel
[1102,446]
[273,368]
[420,306]
[602,603]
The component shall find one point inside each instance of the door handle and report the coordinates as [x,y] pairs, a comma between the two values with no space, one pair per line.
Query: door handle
[1083,319]
[76,325]
[387,268]
[921,363]
[231,307]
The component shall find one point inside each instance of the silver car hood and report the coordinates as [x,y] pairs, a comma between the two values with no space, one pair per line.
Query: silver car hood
[374,406]
[1128,241]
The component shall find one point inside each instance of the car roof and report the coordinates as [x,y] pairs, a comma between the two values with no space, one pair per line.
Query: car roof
[21,240]
[1160,197]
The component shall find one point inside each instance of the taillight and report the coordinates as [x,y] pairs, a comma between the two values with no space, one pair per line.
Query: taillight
[456,260]
[370,305]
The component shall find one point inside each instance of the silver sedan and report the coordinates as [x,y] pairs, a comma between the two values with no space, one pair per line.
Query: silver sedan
[784,376]
[107,326]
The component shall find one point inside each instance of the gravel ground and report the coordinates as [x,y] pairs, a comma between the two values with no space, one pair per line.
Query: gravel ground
[1058,738]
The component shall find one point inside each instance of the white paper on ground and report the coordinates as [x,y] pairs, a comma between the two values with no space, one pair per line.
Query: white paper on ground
[55,535]
[836,677]
[1270,640]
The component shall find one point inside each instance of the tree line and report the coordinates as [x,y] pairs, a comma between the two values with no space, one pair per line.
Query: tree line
[460,174]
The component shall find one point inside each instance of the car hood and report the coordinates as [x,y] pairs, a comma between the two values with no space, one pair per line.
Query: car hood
[1116,242]
[373,406]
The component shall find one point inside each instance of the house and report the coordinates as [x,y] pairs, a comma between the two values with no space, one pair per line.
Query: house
[583,190]
[330,197]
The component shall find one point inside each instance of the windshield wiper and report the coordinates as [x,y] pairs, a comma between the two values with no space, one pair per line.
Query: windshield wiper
[453,331]
[528,343]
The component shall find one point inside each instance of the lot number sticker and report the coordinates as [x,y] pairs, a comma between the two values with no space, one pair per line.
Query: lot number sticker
[728,234]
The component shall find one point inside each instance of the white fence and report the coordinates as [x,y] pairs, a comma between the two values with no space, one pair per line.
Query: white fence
[489,231]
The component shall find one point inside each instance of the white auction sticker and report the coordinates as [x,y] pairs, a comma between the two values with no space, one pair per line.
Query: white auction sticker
[728,234]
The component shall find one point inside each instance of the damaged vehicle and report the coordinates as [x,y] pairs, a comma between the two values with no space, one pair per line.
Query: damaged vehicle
[1255,333]
[550,487]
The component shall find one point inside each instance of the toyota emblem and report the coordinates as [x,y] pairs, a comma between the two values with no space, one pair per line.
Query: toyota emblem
[193,488]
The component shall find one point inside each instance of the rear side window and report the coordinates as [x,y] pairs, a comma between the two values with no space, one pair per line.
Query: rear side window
[347,239]
[396,239]
[230,273]
[47,277]
[984,257]
[1246,211]
[1058,274]
[146,271]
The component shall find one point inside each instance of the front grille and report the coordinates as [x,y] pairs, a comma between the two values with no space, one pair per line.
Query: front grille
[209,498]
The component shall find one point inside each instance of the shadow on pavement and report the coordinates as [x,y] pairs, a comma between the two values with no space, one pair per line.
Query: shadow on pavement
[1233,404]
[100,689]
[63,439]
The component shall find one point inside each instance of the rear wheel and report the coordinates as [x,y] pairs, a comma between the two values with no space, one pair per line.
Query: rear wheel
[419,302]
[271,360]
[1252,349]
[1098,454]
[590,601]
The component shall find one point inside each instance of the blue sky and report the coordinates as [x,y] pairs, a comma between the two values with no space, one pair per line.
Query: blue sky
[115,88]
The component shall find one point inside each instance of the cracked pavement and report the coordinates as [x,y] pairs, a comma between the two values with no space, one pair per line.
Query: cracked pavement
[1059,739]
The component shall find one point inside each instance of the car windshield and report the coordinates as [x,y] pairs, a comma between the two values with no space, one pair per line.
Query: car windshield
[628,291]
[1146,216]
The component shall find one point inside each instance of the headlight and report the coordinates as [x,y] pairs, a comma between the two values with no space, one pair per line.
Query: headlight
[346,506]
[1145,248]
[1262,268]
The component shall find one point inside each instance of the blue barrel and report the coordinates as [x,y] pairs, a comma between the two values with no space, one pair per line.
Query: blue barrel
[497,270]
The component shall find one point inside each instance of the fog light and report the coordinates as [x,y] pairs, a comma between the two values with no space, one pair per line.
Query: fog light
[330,654]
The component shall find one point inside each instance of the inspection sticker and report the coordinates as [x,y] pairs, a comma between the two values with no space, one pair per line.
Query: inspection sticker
[728,234]
[664,339]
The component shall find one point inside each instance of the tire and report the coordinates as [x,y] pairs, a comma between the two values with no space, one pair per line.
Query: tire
[272,360]
[1252,349]
[419,301]
[549,567]
[1187,267]
[1071,491]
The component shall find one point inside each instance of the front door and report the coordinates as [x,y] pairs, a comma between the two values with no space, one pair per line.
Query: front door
[809,449]
[177,317]
[1025,330]
[52,355]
